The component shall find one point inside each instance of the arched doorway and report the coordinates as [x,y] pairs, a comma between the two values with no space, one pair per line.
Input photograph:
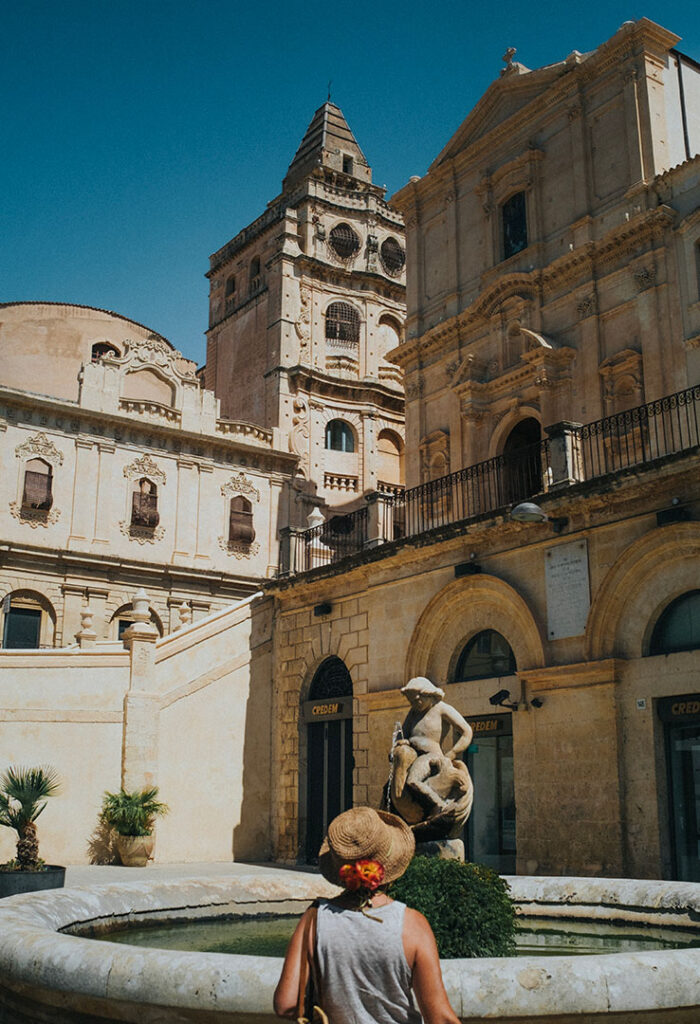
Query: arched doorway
[522,461]
[490,831]
[328,717]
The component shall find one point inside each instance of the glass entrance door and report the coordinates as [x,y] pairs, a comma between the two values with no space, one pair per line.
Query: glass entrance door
[683,760]
[490,833]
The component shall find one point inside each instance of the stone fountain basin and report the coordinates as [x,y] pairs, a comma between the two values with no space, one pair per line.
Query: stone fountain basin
[48,974]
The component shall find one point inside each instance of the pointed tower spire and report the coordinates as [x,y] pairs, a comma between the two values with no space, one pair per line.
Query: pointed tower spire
[328,143]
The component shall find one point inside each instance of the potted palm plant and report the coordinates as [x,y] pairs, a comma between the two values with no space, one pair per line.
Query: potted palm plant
[132,816]
[23,796]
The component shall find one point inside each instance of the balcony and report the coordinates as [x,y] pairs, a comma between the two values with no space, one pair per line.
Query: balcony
[571,454]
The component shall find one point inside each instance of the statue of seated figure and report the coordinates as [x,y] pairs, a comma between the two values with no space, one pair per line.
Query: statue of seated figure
[429,788]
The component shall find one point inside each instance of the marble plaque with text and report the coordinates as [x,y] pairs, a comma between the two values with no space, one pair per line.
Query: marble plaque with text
[568,589]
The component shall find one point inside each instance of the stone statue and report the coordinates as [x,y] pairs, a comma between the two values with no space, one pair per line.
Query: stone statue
[429,788]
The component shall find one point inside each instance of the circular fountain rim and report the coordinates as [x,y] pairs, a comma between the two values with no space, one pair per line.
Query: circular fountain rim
[36,952]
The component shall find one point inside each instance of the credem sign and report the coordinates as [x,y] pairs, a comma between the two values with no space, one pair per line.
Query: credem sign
[323,710]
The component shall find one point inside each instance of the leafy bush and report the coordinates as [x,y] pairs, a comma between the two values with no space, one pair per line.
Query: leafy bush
[467,905]
[132,814]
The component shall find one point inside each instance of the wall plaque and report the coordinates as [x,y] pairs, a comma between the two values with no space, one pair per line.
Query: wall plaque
[568,589]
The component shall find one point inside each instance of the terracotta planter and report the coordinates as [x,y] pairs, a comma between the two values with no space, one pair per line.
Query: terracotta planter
[135,851]
[14,882]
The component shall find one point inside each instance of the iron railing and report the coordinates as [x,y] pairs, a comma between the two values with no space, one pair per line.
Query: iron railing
[333,540]
[660,428]
[666,426]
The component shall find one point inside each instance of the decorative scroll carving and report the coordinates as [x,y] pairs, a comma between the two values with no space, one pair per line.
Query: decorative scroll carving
[239,484]
[35,516]
[586,306]
[239,550]
[645,277]
[142,534]
[303,323]
[41,447]
[154,351]
[145,466]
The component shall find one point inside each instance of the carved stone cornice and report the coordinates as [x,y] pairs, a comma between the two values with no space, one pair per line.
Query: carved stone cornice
[34,516]
[240,484]
[40,447]
[145,466]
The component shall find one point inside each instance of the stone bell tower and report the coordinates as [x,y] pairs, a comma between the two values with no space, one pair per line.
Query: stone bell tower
[305,303]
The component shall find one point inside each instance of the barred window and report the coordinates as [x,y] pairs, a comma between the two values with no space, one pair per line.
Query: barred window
[344,241]
[339,436]
[342,323]
[240,524]
[144,504]
[393,256]
[486,656]
[678,628]
[38,485]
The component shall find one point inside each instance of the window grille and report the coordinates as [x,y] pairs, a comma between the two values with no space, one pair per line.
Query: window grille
[514,222]
[393,256]
[342,324]
[37,489]
[344,241]
[144,505]
[678,628]
[486,656]
[240,525]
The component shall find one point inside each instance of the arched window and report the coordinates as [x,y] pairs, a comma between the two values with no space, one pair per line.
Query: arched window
[38,486]
[144,504]
[339,436]
[389,458]
[230,286]
[514,224]
[678,628]
[342,324]
[240,523]
[344,241]
[332,679]
[488,654]
[522,461]
[28,621]
[124,617]
[102,349]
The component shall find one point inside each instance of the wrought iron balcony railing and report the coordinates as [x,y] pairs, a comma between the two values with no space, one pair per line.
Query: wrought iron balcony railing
[571,455]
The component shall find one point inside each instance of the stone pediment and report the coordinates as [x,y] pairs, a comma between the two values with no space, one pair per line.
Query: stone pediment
[504,98]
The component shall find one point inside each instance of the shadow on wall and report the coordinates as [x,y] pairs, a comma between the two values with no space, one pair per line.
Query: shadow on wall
[251,839]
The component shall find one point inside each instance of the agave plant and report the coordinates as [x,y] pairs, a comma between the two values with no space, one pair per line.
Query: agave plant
[132,814]
[23,796]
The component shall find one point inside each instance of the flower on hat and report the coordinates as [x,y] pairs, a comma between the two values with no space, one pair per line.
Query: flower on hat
[363,874]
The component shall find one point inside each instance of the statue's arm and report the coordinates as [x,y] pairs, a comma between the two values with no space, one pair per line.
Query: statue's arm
[462,729]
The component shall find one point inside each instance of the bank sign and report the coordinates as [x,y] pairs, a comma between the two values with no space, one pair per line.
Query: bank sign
[675,709]
[323,710]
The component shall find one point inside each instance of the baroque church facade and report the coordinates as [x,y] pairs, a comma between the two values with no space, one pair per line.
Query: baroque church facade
[541,563]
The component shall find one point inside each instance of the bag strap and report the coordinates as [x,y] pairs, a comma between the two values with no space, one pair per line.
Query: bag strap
[304,966]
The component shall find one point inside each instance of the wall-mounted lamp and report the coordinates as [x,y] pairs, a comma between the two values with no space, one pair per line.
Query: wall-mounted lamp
[528,512]
[501,700]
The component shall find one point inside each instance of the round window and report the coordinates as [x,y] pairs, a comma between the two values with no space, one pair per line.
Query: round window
[344,241]
[393,256]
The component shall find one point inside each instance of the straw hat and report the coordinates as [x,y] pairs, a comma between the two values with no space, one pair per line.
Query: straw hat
[365,834]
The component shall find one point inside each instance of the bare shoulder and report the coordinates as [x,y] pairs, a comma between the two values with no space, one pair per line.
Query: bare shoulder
[417,922]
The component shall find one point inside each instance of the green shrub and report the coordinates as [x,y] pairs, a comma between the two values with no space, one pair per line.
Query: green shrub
[132,814]
[467,905]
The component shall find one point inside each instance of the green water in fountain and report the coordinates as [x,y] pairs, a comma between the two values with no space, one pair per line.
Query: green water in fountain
[269,935]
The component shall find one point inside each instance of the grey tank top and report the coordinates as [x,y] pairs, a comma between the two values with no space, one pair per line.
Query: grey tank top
[363,976]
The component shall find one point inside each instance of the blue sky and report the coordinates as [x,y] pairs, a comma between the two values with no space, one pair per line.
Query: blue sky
[140,135]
